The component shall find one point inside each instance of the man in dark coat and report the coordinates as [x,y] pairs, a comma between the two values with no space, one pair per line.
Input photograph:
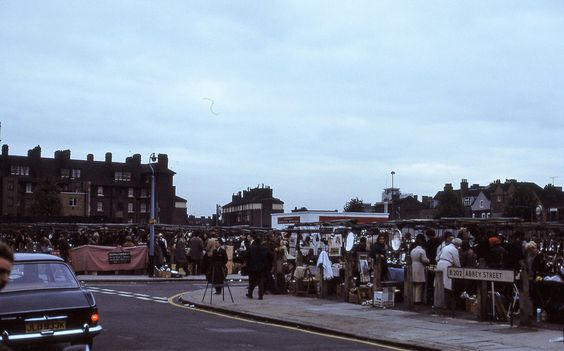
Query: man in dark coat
[196,246]
[257,265]
[216,270]
[180,254]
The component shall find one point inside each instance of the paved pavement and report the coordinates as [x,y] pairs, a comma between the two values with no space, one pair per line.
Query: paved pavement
[394,326]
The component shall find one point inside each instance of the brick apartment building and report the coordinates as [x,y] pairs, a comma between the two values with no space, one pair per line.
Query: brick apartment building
[252,207]
[90,191]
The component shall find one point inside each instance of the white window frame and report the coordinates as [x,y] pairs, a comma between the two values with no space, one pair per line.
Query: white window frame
[19,170]
[73,202]
[28,188]
[75,173]
[130,207]
[130,192]
[143,207]
[100,206]
[122,176]
[481,203]
[100,191]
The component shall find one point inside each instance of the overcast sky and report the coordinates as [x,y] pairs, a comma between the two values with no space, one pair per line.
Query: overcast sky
[320,100]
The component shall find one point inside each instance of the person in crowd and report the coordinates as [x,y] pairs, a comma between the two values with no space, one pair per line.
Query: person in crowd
[161,241]
[418,262]
[209,245]
[217,271]
[467,260]
[431,246]
[180,256]
[256,266]
[6,263]
[64,247]
[449,257]
[196,247]
[94,239]
[269,282]
[128,242]
[159,255]
[497,254]
[280,259]
[515,251]
[447,239]
[45,245]
[380,251]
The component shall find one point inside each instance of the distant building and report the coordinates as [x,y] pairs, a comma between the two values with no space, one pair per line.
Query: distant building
[297,218]
[91,191]
[251,207]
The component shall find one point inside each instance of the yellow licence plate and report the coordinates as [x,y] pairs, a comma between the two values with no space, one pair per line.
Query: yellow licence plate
[36,327]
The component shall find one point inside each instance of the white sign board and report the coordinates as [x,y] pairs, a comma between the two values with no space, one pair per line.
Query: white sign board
[491,275]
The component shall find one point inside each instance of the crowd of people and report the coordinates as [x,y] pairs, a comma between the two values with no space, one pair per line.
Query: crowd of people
[461,249]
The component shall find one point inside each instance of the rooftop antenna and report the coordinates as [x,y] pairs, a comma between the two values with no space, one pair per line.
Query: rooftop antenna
[552,178]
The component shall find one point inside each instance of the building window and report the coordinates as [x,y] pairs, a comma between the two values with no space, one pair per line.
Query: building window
[499,198]
[143,193]
[466,201]
[100,191]
[28,188]
[73,202]
[130,207]
[65,173]
[122,176]
[75,174]
[481,203]
[143,207]
[100,206]
[488,215]
[19,170]
[483,215]
[130,192]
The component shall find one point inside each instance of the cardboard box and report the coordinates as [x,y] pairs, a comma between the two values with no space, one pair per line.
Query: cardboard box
[353,298]
[472,305]
[384,298]
[165,274]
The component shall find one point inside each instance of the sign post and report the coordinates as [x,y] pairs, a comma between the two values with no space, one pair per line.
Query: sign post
[483,274]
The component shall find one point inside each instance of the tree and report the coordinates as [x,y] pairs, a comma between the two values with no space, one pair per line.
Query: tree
[46,200]
[522,204]
[450,205]
[354,205]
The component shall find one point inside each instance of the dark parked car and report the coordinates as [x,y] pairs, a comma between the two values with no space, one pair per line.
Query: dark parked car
[45,304]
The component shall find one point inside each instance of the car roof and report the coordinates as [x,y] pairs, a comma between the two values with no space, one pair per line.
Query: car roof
[19,257]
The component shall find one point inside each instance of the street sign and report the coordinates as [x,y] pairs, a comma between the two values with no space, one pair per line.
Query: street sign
[491,275]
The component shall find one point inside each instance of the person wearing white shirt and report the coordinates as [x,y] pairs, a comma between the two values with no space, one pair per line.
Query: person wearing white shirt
[449,257]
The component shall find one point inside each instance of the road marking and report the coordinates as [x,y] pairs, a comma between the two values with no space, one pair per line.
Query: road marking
[172,300]
[143,297]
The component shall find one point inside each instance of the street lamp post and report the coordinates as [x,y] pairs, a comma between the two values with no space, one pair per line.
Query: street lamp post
[392,199]
[152,158]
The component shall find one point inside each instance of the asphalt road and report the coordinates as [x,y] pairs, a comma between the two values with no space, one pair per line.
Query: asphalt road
[138,316]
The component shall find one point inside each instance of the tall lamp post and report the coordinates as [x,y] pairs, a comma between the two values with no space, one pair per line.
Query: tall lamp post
[152,220]
[392,205]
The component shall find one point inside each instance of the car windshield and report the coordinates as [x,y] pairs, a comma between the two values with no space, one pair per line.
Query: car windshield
[40,275]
